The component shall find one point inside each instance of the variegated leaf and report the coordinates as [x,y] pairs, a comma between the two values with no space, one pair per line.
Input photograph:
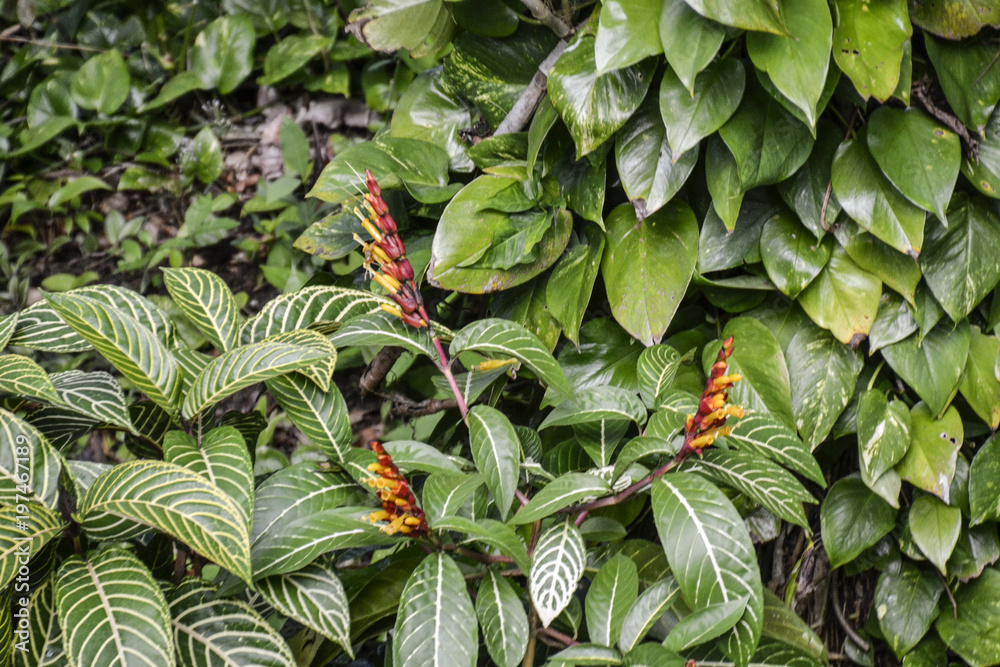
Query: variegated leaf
[173,500]
[646,611]
[29,467]
[44,643]
[320,415]
[24,529]
[656,368]
[22,377]
[490,532]
[96,395]
[436,624]
[39,327]
[496,451]
[60,426]
[207,302]
[210,632]
[612,592]
[245,366]
[84,474]
[8,323]
[6,625]
[320,372]
[127,344]
[597,403]
[381,328]
[112,611]
[710,554]
[556,568]
[222,459]
[505,339]
[314,597]
[190,363]
[320,306]
[151,422]
[445,493]
[758,478]
[562,492]
[761,433]
[502,618]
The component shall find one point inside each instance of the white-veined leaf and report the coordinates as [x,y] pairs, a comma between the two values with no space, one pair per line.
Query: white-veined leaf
[445,493]
[44,643]
[758,478]
[704,624]
[761,433]
[245,366]
[502,618]
[646,611]
[381,328]
[321,307]
[8,323]
[561,492]
[39,327]
[436,624]
[24,529]
[320,372]
[587,654]
[556,568]
[95,394]
[112,611]
[173,500]
[656,369]
[61,427]
[209,632]
[710,554]
[414,456]
[644,445]
[505,339]
[29,467]
[207,302]
[611,593]
[595,404]
[320,415]
[496,451]
[222,459]
[490,532]
[314,597]
[127,344]
[22,377]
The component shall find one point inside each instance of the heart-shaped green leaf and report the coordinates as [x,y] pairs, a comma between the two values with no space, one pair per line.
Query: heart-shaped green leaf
[843,298]
[868,44]
[689,116]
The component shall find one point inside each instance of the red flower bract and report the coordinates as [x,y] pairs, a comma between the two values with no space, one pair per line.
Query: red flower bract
[703,427]
[399,505]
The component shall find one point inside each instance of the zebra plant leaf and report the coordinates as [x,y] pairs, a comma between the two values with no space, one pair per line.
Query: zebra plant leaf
[191,363]
[556,568]
[562,492]
[112,611]
[502,618]
[436,624]
[29,467]
[44,643]
[761,433]
[25,529]
[320,415]
[22,377]
[173,500]
[208,303]
[40,327]
[126,343]
[646,611]
[8,323]
[320,372]
[612,592]
[321,307]
[496,451]
[381,328]
[96,395]
[710,554]
[222,632]
[247,365]
[222,459]
[657,368]
[505,339]
[314,597]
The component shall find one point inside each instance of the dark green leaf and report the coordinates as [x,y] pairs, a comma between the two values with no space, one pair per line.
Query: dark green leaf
[501,615]
[690,116]
[934,527]
[868,44]
[805,192]
[792,256]
[704,624]
[427,112]
[560,493]
[852,519]
[496,452]
[898,271]
[933,367]
[223,53]
[906,605]
[568,289]
[690,41]
[611,593]
[756,355]
[975,634]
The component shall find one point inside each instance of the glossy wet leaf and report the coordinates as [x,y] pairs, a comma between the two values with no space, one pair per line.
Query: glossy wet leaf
[647,266]
[290,55]
[427,112]
[962,263]
[933,366]
[722,174]
[934,527]
[690,116]
[823,372]
[594,106]
[710,554]
[421,26]
[805,192]
[980,386]
[872,200]
[501,615]
[975,634]
[852,519]
[647,609]
[920,156]
[101,83]
[797,62]
[969,78]
[896,270]
[223,53]
[611,593]
[704,624]
[792,255]
[628,31]
[868,44]
[690,41]
[763,15]
[568,290]
[467,232]
[883,432]
[843,298]
[984,489]
[496,452]
[930,461]
[906,603]
[768,142]
[650,174]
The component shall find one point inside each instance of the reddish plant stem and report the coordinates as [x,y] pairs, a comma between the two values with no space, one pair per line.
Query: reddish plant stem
[475,555]
[521,498]
[607,501]
[564,639]
[445,367]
